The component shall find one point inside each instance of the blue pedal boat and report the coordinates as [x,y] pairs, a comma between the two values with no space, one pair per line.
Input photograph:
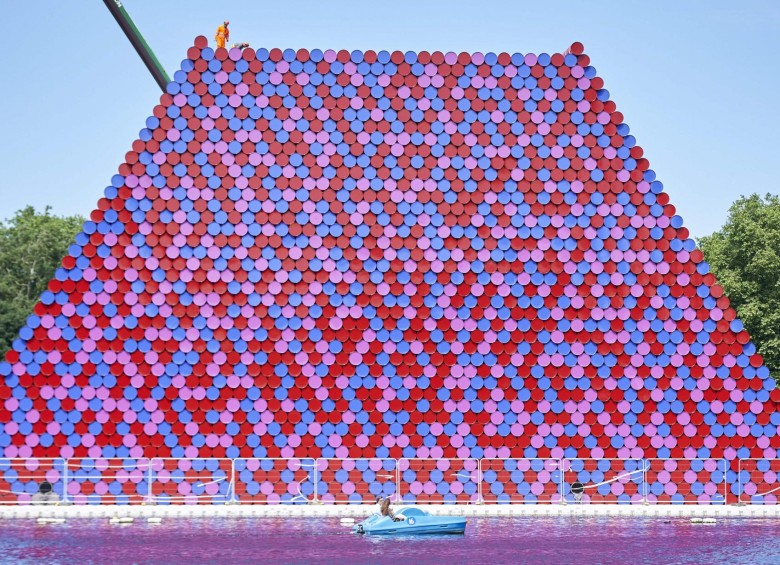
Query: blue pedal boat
[412,521]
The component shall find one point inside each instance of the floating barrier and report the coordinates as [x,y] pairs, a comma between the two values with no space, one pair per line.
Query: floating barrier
[43,520]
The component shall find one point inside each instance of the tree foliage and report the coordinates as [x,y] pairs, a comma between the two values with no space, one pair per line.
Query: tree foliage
[744,255]
[32,246]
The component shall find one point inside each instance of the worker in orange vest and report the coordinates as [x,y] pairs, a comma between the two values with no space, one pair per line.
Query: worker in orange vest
[223,34]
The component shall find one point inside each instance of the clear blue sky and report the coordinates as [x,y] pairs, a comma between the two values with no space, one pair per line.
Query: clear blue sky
[698,82]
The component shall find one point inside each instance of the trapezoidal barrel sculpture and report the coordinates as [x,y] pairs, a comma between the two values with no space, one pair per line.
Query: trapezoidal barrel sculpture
[420,255]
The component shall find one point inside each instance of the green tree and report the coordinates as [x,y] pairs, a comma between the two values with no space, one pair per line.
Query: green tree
[32,246]
[744,255]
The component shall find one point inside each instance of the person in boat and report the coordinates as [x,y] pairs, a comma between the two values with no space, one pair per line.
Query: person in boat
[45,493]
[385,510]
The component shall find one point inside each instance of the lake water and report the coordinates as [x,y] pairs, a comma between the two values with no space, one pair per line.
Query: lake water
[325,540]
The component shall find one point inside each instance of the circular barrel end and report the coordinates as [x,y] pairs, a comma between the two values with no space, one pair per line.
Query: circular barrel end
[576,48]
[201,42]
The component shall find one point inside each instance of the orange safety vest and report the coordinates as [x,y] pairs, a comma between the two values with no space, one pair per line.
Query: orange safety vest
[222,31]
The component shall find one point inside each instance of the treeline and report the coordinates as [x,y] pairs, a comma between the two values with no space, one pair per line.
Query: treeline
[744,255]
[32,245]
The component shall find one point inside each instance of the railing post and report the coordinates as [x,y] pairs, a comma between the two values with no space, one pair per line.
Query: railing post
[233,497]
[150,478]
[561,466]
[479,485]
[644,481]
[65,481]
[725,482]
[398,480]
[395,476]
[739,481]
[316,484]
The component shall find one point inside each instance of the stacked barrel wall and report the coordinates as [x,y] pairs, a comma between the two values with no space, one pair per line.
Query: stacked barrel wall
[385,257]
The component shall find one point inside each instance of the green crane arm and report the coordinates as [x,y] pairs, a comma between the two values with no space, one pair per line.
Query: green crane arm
[137,40]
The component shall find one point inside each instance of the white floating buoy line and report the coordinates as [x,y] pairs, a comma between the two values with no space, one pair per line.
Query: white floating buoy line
[45,520]
[703,521]
[121,520]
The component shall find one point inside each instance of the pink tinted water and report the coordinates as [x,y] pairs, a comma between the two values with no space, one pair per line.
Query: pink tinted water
[302,540]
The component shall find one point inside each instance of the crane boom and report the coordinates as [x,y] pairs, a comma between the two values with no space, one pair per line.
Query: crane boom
[138,42]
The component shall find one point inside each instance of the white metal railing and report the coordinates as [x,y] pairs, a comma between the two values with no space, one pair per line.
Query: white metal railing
[536,480]
[28,475]
[438,481]
[80,473]
[383,472]
[758,481]
[200,479]
[267,475]
[455,476]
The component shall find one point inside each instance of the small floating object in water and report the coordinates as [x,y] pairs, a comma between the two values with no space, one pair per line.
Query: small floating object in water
[121,520]
[347,520]
[703,521]
[154,520]
[43,520]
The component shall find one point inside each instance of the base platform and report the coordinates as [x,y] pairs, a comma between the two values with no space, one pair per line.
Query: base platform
[358,511]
